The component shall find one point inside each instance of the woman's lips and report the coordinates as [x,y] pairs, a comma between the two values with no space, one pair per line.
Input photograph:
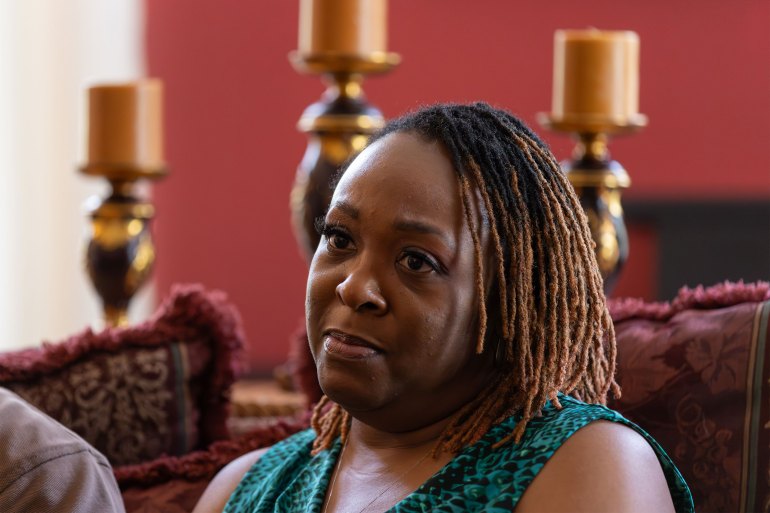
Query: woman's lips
[346,346]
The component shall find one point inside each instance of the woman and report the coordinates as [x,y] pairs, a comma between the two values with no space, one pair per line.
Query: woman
[456,317]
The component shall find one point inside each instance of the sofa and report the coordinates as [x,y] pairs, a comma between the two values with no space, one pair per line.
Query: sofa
[155,398]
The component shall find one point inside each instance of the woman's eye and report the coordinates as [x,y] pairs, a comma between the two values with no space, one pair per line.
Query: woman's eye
[417,263]
[337,239]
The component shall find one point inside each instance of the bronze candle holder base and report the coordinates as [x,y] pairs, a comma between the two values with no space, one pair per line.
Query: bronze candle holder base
[120,252]
[338,126]
[599,182]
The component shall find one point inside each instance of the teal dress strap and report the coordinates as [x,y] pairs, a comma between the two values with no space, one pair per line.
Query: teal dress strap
[288,479]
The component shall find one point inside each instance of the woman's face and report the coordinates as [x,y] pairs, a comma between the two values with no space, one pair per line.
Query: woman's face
[391,298]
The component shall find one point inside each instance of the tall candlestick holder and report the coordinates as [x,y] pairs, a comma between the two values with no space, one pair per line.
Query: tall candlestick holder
[125,145]
[599,182]
[338,126]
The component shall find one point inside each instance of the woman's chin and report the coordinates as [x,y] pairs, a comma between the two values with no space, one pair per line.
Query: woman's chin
[349,392]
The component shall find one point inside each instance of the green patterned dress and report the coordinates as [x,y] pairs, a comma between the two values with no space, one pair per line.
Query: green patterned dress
[288,479]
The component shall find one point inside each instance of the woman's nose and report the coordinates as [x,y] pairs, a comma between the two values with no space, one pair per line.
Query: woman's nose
[361,292]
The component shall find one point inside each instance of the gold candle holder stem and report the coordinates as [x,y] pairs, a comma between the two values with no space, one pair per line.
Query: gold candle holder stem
[120,252]
[591,146]
[121,188]
[337,126]
[115,316]
[599,182]
[343,84]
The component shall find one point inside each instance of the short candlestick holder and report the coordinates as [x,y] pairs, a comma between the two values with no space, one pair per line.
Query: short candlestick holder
[599,183]
[120,252]
[338,126]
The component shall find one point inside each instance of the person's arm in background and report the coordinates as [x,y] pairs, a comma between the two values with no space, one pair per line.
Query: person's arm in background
[45,467]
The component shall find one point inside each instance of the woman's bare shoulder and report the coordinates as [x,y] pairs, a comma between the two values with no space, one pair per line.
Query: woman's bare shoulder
[222,486]
[605,466]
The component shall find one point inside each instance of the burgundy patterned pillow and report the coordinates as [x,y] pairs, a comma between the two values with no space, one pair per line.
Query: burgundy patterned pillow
[160,388]
[694,373]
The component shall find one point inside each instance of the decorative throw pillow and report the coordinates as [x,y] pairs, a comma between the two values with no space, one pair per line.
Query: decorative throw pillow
[136,393]
[694,373]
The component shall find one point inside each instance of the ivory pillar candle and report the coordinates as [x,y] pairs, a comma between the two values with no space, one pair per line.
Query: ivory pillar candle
[595,75]
[350,27]
[125,124]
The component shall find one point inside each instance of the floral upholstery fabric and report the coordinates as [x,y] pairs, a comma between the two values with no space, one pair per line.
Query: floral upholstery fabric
[695,376]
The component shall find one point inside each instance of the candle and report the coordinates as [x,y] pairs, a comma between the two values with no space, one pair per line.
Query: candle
[125,125]
[595,75]
[350,27]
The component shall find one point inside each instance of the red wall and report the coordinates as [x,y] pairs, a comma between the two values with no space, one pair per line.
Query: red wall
[233,101]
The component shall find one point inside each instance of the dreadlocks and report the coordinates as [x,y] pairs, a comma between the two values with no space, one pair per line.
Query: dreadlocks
[552,331]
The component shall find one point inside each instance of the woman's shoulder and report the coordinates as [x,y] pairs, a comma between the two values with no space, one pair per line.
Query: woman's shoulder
[227,480]
[604,466]
[218,491]
[559,422]
[569,446]
[579,448]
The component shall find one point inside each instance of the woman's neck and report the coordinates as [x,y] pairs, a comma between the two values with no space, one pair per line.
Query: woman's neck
[371,438]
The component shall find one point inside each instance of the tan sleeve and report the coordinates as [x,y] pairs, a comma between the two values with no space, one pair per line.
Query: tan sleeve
[45,467]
